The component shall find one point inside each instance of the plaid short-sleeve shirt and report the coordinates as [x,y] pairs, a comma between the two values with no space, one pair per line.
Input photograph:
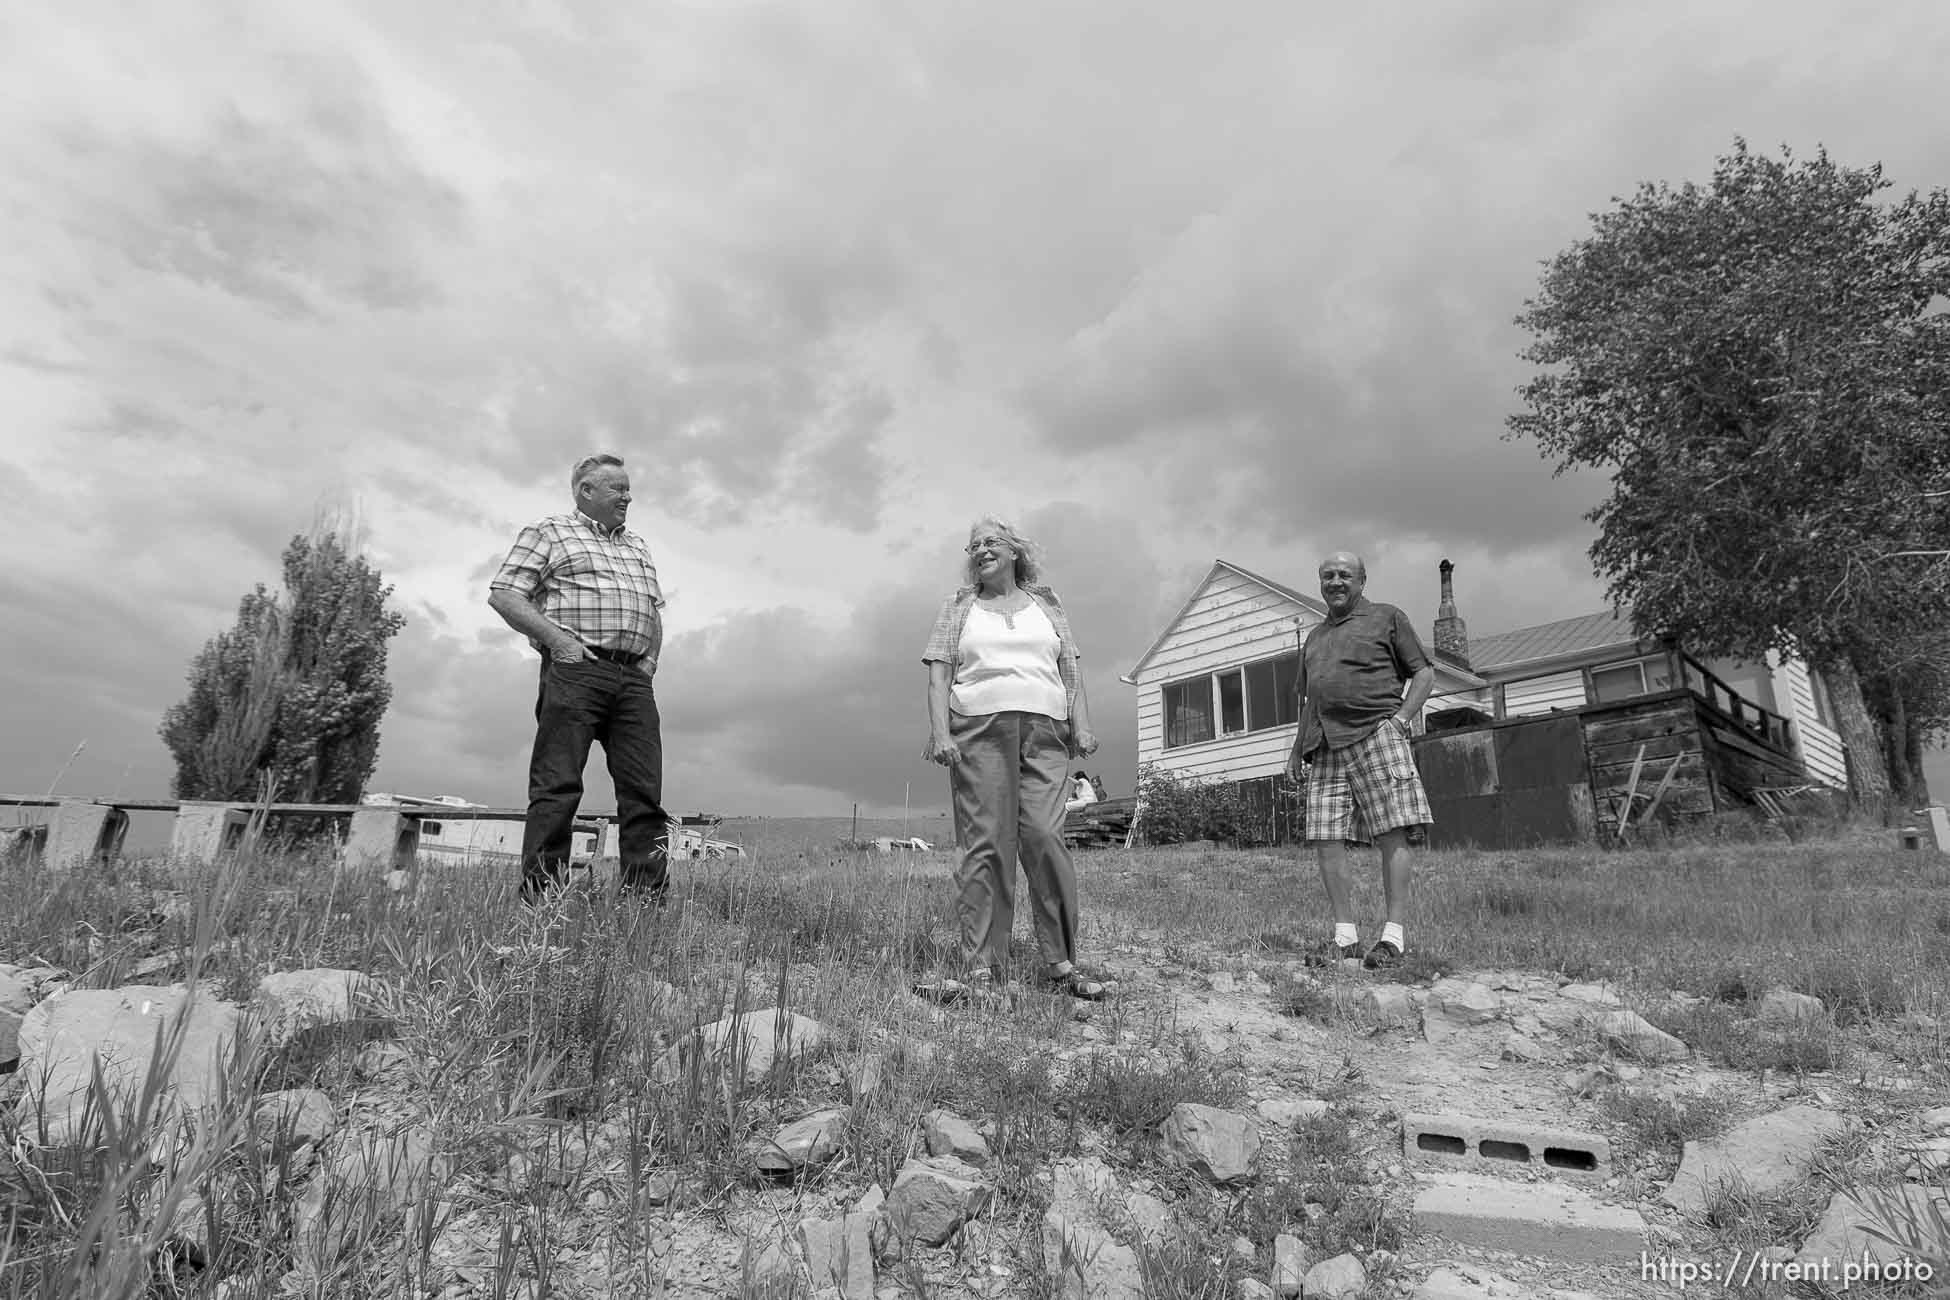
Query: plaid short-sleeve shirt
[944,641]
[600,586]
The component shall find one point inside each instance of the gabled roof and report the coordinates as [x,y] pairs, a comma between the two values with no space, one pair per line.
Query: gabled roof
[1313,603]
[1567,636]
[1310,603]
[1314,606]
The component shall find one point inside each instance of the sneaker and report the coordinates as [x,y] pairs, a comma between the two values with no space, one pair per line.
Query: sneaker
[1383,956]
[1332,954]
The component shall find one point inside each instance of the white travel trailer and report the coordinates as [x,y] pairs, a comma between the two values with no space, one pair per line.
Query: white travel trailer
[469,840]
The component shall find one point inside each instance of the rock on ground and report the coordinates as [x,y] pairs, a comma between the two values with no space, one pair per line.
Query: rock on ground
[1085,1262]
[1220,1146]
[1340,1278]
[948,1134]
[1289,1264]
[62,1037]
[1633,1034]
[933,1197]
[839,1254]
[1787,1006]
[1455,1281]
[372,1177]
[754,1042]
[291,1004]
[1841,1234]
[807,1142]
[1764,1155]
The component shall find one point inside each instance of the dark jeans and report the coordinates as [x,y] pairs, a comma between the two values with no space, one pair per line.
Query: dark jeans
[596,700]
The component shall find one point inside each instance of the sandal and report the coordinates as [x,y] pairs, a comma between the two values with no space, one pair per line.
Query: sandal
[949,992]
[1079,985]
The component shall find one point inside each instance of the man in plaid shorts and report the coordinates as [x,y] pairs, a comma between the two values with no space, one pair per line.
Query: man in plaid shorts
[583,589]
[1354,727]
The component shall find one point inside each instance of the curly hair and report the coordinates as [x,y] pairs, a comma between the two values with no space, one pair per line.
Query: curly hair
[1029,554]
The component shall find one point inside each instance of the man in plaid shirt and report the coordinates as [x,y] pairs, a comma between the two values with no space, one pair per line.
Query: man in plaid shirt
[584,591]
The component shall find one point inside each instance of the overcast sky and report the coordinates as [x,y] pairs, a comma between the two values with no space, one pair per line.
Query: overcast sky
[1162,282]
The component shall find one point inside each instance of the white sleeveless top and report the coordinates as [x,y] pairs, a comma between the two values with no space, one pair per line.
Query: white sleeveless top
[1004,668]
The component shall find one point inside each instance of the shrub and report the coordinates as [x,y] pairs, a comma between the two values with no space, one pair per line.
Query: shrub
[1177,809]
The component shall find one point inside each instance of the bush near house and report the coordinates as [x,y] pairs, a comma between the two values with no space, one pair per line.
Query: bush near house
[1179,809]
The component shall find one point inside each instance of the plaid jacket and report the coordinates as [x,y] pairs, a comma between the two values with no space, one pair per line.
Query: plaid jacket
[601,587]
[944,642]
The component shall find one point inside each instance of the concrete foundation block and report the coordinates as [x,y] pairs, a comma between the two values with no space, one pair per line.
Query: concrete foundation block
[84,832]
[1548,1219]
[1935,821]
[204,831]
[1462,1140]
[380,839]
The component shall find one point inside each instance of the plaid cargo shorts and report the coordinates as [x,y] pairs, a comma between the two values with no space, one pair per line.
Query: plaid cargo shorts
[1367,788]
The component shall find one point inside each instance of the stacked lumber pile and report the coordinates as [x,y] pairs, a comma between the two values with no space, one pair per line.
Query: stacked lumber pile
[1102,825]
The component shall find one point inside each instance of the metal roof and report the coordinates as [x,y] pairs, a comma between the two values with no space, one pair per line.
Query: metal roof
[1567,636]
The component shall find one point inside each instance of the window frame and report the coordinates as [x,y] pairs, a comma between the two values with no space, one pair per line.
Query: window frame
[1210,715]
[1638,662]
[1821,699]
[1215,700]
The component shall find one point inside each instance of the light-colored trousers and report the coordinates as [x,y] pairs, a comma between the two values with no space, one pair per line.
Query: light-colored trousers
[1009,789]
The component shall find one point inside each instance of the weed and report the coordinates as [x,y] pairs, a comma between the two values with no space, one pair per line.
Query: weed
[1329,1196]
[1721,1033]
[1130,1095]
[1303,997]
[1655,1122]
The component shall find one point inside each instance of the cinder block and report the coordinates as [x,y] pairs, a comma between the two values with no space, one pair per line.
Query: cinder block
[1460,1140]
[84,832]
[1936,826]
[206,830]
[381,839]
[1548,1219]
[22,843]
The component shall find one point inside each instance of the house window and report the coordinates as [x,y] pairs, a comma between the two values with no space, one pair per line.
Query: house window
[429,827]
[1232,702]
[1255,697]
[1824,707]
[1188,712]
[1623,681]
[1272,687]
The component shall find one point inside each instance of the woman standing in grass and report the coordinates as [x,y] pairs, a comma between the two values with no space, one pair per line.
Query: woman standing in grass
[1006,713]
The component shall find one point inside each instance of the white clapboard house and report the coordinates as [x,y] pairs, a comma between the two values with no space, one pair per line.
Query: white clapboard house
[1215,701]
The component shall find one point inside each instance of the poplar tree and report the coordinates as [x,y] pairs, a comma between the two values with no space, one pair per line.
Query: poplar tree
[296,689]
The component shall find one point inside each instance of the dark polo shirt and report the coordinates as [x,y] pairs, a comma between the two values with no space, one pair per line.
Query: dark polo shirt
[1351,674]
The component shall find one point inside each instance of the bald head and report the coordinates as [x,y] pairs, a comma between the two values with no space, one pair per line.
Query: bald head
[1342,576]
[1346,560]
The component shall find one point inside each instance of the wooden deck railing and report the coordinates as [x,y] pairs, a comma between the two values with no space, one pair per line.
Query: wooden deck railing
[1765,725]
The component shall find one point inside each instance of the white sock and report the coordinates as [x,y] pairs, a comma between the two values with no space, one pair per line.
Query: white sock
[1345,934]
[1392,933]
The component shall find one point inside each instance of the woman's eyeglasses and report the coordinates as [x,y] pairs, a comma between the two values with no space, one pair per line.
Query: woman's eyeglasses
[990,544]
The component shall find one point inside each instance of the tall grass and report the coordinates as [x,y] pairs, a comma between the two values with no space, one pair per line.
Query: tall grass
[525,1054]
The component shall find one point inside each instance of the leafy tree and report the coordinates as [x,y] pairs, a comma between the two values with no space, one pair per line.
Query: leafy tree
[296,689]
[1763,364]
